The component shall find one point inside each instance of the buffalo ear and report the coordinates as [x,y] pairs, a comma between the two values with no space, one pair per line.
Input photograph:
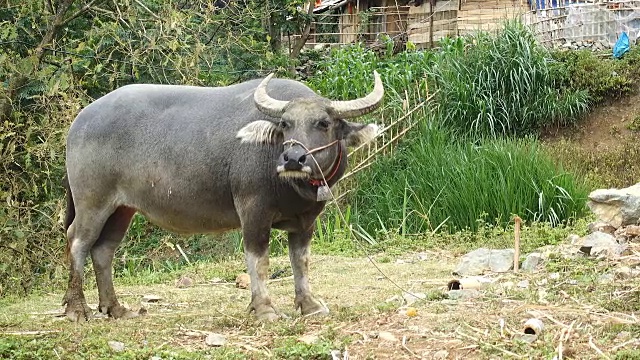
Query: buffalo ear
[259,132]
[357,134]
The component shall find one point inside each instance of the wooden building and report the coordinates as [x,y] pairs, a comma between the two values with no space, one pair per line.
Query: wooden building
[421,22]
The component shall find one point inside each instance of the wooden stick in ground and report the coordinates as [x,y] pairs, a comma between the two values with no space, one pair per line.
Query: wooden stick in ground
[516,254]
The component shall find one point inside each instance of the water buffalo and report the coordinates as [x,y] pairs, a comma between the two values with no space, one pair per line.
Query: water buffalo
[204,160]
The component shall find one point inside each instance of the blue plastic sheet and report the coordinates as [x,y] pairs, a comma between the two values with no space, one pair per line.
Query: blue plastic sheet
[621,46]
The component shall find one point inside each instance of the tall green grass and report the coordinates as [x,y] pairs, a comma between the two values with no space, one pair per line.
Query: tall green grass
[494,85]
[436,182]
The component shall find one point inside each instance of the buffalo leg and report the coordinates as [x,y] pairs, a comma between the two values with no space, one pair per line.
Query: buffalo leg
[256,249]
[102,254]
[82,234]
[299,254]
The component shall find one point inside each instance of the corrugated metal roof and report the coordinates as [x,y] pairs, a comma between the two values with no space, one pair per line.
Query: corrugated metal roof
[329,4]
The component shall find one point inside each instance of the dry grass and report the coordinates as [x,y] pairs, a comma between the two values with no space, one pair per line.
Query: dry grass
[584,317]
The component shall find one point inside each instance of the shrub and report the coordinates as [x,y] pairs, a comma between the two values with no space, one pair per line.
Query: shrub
[602,78]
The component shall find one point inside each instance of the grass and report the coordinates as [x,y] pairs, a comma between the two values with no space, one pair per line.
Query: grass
[501,84]
[364,305]
[436,182]
[615,167]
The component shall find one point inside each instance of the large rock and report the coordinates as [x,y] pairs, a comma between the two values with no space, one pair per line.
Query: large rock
[617,207]
[481,260]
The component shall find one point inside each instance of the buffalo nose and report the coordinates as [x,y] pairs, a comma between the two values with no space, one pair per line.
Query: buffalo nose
[294,158]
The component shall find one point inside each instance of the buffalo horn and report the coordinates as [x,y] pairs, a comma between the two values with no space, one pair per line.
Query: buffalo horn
[266,103]
[358,107]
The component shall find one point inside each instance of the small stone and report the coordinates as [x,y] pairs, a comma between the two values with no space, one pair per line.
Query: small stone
[606,277]
[214,339]
[528,338]
[387,336]
[116,346]
[184,282]
[216,280]
[523,284]
[573,239]
[600,226]
[440,355]
[532,261]
[601,244]
[463,294]
[423,256]
[243,281]
[410,299]
[624,272]
[309,339]
[151,298]
[631,231]
[554,276]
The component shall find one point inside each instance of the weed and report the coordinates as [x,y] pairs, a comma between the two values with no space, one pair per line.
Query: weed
[634,125]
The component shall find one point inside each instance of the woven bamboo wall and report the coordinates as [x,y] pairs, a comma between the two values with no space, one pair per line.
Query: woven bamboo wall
[428,24]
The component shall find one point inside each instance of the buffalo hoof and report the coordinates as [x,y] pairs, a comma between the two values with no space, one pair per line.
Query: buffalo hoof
[78,312]
[120,312]
[311,307]
[265,313]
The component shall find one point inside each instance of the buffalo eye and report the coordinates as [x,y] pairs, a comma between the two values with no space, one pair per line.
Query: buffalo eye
[323,124]
[283,124]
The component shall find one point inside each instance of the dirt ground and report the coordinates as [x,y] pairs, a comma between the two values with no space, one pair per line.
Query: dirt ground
[607,127]
[369,316]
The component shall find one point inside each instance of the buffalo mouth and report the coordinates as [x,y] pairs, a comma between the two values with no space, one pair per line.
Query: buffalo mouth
[303,173]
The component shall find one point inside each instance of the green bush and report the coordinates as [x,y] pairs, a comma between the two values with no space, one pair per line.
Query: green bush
[493,85]
[602,78]
[436,182]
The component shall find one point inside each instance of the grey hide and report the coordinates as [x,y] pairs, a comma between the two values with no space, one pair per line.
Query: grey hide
[204,160]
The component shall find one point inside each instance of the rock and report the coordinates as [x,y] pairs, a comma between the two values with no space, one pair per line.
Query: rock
[561,251]
[410,299]
[483,259]
[602,227]
[243,281]
[606,277]
[463,294]
[523,284]
[573,238]
[532,261]
[629,231]
[625,272]
[617,207]
[184,282]
[116,346]
[309,339]
[387,336]
[440,355]
[554,276]
[214,339]
[151,298]
[601,244]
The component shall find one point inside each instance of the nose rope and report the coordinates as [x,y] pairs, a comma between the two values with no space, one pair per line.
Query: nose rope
[324,180]
[309,152]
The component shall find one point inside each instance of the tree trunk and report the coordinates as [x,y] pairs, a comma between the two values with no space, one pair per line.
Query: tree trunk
[297,47]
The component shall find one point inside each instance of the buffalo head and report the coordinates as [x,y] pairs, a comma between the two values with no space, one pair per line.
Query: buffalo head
[311,129]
